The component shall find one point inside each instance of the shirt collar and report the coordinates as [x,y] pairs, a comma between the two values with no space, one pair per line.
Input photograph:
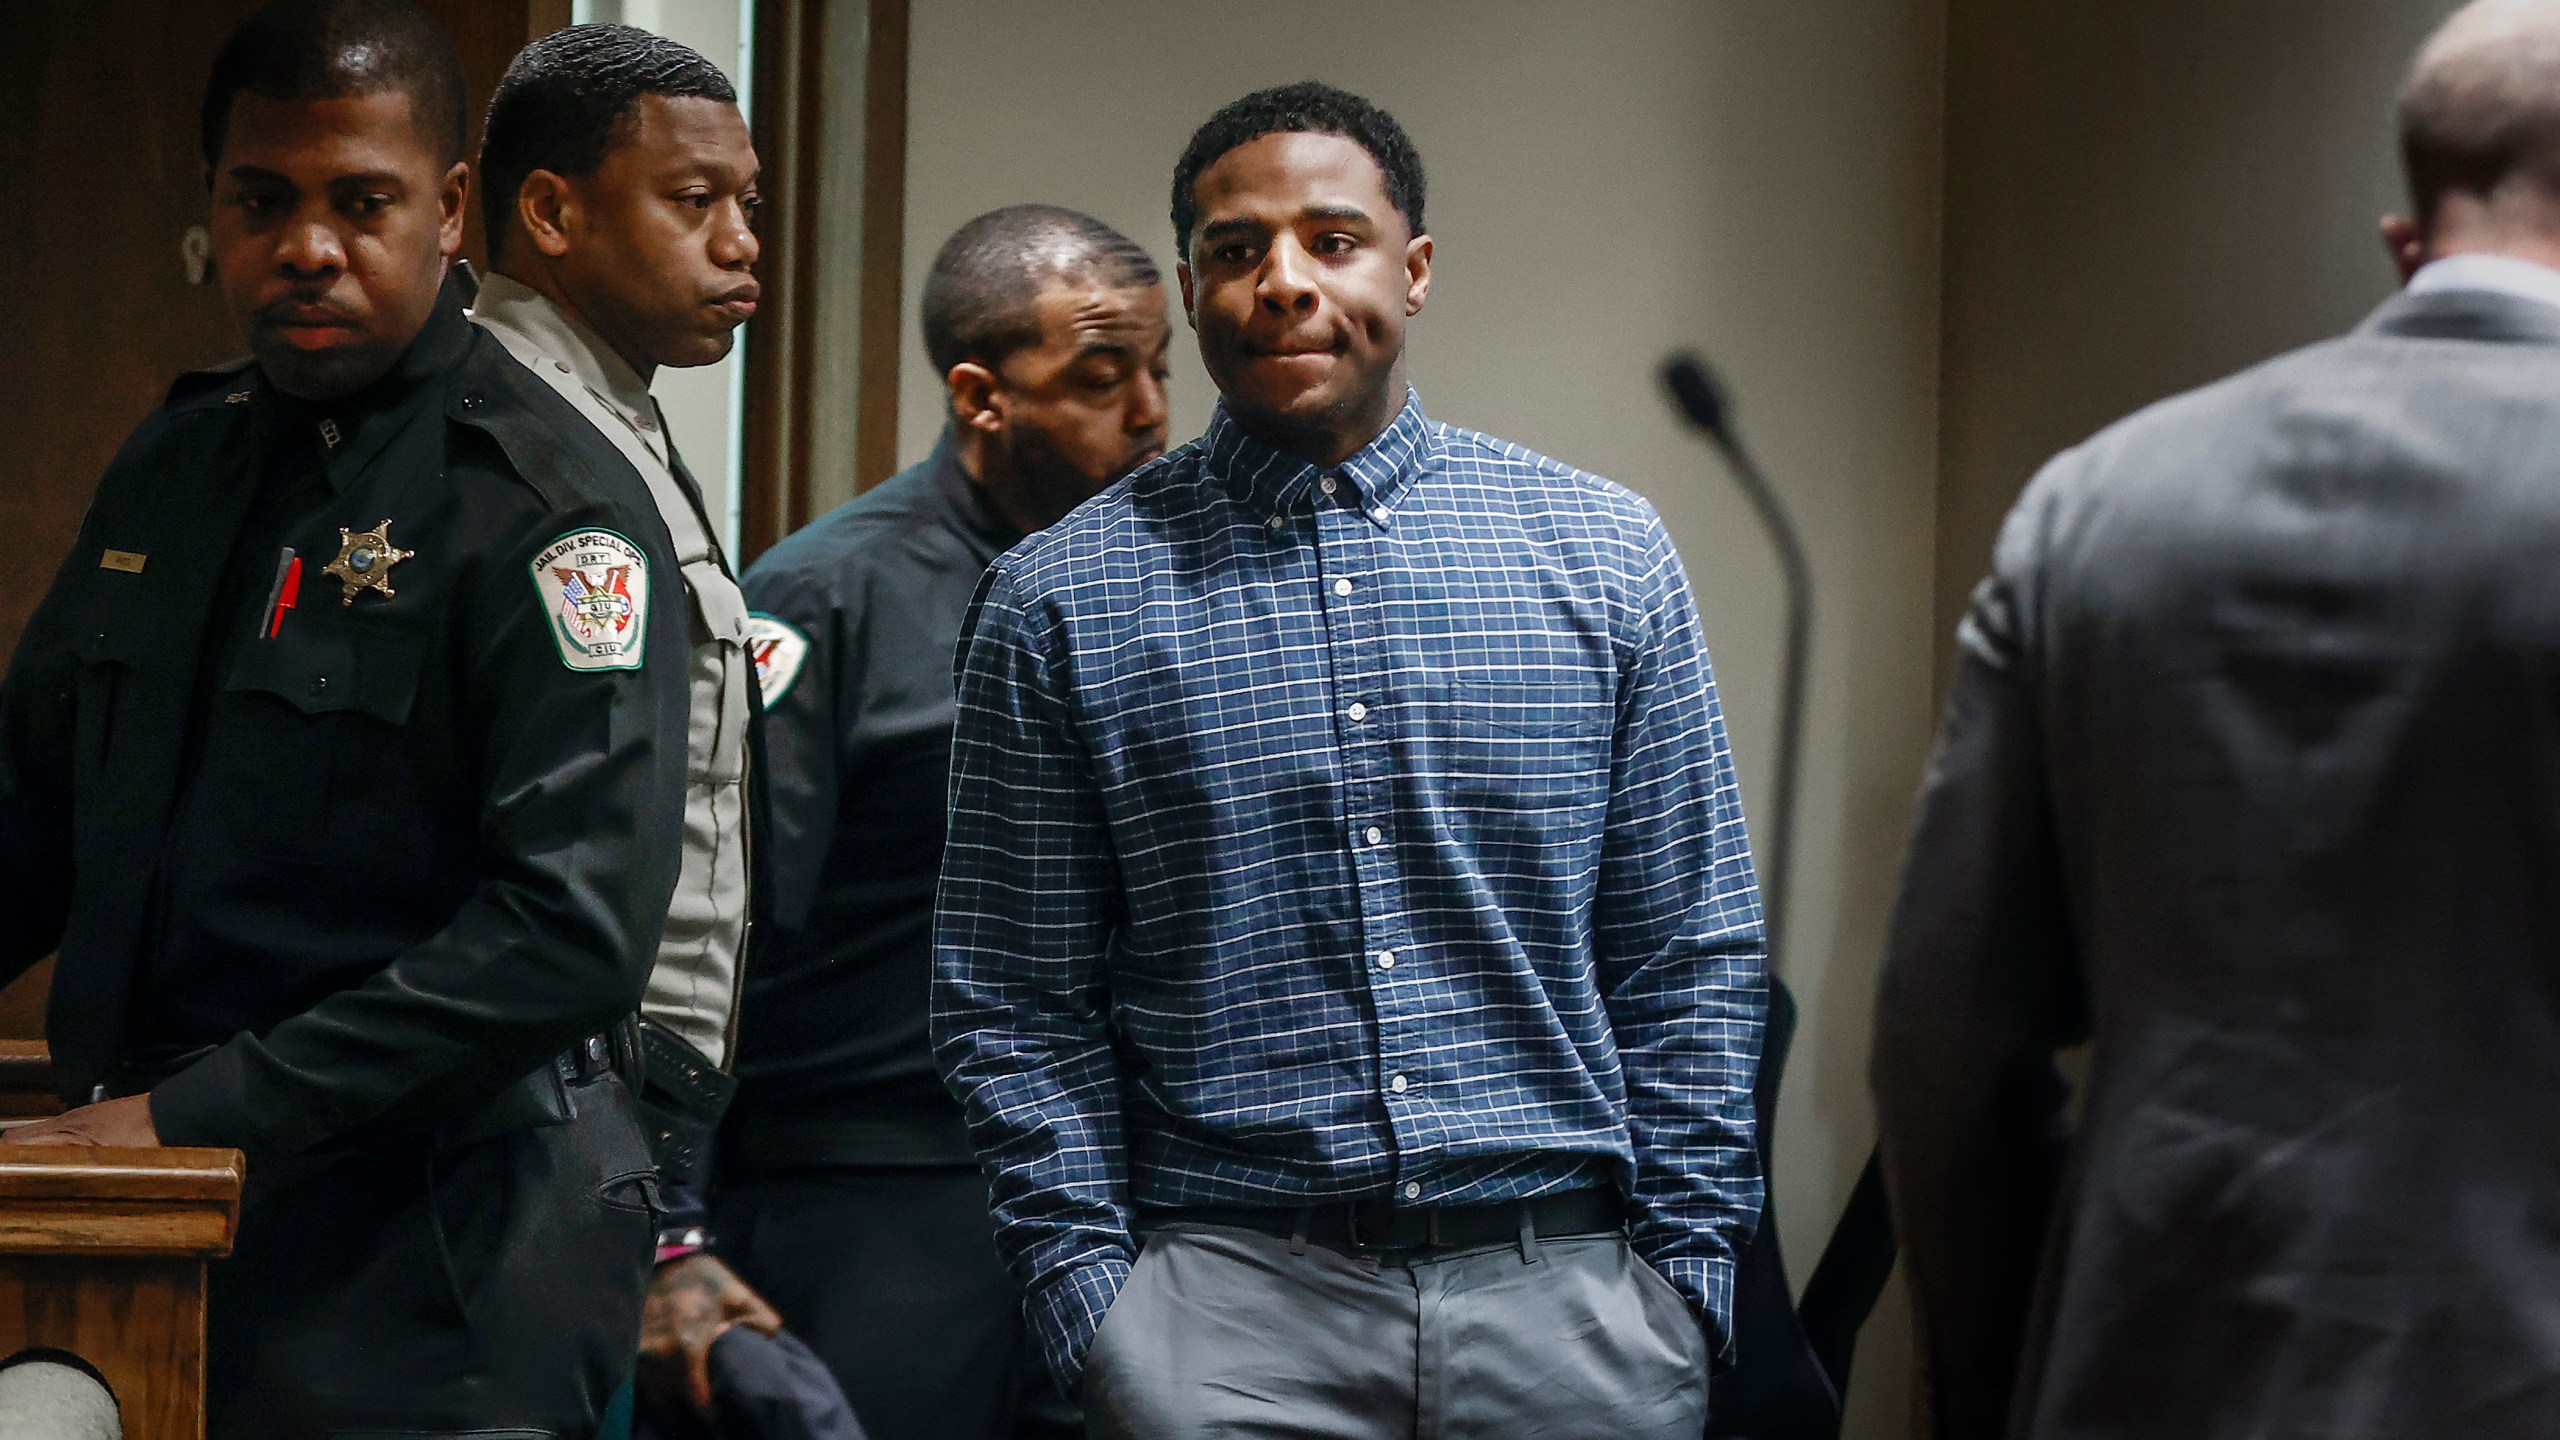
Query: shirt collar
[2497,274]
[966,502]
[1273,480]
[352,430]
[575,351]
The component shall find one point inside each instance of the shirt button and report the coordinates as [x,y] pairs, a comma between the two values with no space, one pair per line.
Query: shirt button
[1358,711]
[1379,516]
[1341,587]
[562,366]
[319,683]
[1327,485]
[1398,1084]
[1373,834]
[1386,959]
[1274,522]
[1413,1189]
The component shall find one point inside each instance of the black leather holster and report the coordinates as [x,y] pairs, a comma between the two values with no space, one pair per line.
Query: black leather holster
[682,1096]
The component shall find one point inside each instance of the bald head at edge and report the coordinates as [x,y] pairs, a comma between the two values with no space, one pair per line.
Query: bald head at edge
[2479,119]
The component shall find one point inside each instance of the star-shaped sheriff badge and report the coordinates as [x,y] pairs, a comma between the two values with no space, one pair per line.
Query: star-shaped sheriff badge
[364,562]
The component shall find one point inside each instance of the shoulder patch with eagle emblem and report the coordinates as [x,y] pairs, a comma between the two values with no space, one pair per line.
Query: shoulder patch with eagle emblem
[595,588]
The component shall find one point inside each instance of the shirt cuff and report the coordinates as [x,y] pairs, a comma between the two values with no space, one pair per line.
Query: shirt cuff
[1708,1287]
[1067,1312]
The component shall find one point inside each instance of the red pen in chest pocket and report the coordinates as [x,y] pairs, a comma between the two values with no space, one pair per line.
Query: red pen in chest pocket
[288,588]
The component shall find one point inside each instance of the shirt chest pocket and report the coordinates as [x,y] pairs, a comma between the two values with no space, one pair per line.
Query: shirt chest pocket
[717,675]
[309,754]
[1531,739]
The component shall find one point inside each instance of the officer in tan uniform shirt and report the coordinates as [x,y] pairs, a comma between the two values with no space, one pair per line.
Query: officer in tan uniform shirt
[621,190]
[693,988]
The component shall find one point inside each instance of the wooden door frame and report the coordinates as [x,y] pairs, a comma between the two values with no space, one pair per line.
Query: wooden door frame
[784,448]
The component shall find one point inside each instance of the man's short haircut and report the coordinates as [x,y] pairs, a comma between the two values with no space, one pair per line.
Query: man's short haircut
[567,98]
[1307,107]
[331,49]
[981,300]
[2481,104]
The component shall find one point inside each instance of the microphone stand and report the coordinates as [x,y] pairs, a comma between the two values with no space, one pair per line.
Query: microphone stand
[1695,389]
[1791,1368]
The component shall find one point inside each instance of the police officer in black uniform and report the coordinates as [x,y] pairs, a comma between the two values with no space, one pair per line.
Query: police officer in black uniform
[344,763]
[851,1197]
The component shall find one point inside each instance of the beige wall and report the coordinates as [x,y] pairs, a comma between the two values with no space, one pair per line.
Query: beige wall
[1608,181]
[2142,195]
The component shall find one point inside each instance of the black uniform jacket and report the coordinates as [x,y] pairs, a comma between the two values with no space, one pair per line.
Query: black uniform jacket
[377,869]
[834,1067]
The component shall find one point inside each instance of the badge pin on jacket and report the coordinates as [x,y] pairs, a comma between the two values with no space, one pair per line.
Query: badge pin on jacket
[364,562]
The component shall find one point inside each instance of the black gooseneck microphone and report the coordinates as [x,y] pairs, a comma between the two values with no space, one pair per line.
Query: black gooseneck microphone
[1792,1363]
[1702,398]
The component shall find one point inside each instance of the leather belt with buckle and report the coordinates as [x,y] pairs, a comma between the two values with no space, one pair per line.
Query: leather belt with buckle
[1369,1227]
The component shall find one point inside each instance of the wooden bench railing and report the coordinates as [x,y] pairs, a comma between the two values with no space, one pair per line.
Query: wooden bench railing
[26,1081]
[103,1254]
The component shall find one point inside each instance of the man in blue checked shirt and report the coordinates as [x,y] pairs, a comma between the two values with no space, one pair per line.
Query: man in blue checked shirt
[1348,951]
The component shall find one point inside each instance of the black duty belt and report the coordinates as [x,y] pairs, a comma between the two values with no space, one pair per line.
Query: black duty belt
[592,1058]
[762,1143]
[1370,1227]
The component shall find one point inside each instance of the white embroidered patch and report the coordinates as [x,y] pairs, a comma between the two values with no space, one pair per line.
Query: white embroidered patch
[595,588]
[777,650]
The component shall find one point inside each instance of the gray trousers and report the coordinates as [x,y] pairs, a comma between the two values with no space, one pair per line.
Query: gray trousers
[1237,1335]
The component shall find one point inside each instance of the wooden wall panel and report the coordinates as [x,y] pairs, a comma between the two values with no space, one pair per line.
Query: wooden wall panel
[814,113]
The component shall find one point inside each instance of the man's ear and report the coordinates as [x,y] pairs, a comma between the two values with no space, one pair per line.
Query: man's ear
[449,204]
[547,209]
[1417,274]
[2407,242]
[972,388]
[1182,276]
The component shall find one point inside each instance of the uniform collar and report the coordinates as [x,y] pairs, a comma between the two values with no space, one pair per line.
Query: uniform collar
[967,502]
[575,351]
[353,429]
[1272,480]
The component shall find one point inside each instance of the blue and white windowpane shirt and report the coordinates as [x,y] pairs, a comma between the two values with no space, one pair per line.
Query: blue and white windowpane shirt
[1329,834]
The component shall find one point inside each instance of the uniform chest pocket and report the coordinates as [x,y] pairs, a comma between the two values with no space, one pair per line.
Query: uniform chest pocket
[328,673]
[310,756]
[113,648]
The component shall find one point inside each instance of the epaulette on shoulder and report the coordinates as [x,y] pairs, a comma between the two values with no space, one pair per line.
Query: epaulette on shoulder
[491,393]
[225,384]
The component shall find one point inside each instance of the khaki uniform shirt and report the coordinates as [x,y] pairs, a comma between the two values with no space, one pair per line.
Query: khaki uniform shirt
[694,988]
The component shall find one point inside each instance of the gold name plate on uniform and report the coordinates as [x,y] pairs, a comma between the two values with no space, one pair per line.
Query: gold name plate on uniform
[128,561]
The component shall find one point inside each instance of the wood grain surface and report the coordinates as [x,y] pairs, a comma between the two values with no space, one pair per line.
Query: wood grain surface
[141,1322]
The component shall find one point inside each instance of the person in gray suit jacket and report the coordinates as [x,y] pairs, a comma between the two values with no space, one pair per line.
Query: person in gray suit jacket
[2251,777]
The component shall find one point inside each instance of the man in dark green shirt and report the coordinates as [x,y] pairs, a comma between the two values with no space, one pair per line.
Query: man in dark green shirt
[852,1199]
